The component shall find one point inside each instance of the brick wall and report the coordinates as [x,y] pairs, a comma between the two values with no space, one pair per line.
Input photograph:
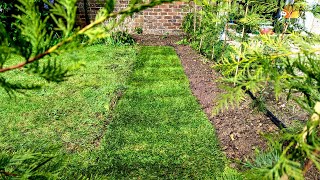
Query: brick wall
[162,19]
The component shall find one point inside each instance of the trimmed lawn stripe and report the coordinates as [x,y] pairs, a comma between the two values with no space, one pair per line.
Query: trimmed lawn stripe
[159,129]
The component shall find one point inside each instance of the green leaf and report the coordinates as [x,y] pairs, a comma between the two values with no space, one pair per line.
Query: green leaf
[109,6]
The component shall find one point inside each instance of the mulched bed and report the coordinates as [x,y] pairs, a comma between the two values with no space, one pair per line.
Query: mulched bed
[240,129]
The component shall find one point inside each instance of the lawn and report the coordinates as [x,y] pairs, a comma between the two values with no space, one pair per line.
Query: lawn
[67,118]
[157,129]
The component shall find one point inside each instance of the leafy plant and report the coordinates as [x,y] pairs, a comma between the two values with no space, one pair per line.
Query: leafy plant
[213,25]
[183,41]
[138,30]
[121,38]
[286,62]
[316,10]
[165,35]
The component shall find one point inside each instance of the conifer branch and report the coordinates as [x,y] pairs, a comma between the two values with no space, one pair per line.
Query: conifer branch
[8,174]
[129,10]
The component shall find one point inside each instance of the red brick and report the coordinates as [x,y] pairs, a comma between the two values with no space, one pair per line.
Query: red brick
[160,19]
[172,13]
[163,6]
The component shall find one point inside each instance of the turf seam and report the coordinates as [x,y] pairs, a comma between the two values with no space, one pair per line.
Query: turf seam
[112,105]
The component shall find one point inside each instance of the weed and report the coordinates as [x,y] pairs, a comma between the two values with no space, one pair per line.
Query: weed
[183,41]
[138,30]
[165,35]
[121,38]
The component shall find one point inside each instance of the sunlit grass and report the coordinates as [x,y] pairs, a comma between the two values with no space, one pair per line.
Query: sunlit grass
[157,130]
[69,115]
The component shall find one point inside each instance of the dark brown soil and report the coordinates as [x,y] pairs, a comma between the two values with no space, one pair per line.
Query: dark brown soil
[240,129]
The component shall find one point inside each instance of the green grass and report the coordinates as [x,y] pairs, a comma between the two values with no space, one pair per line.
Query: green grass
[66,118]
[158,129]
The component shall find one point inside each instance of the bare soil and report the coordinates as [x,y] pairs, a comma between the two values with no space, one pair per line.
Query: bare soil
[240,130]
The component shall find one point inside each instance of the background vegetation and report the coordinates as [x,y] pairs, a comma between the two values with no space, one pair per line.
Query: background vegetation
[286,62]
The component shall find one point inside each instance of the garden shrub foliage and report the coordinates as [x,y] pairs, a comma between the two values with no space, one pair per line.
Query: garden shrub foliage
[121,38]
[206,25]
[287,61]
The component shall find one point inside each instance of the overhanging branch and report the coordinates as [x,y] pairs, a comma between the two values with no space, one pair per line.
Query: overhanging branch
[128,10]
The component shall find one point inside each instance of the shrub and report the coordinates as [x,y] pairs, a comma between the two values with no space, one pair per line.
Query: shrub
[8,9]
[138,30]
[121,38]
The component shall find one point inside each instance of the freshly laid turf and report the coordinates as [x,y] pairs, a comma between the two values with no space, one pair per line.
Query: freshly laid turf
[67,119]
[159,129]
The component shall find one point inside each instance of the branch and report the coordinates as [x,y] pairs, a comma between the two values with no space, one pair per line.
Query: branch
[127,10]
[272,57]
[309,163]
[8,174]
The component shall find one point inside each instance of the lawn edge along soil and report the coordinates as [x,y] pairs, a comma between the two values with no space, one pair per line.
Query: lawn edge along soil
[159,130]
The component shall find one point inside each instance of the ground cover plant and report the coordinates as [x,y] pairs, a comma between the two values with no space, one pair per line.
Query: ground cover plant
[64,121]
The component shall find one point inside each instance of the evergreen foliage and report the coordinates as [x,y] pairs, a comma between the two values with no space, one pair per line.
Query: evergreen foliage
[34,40]
[295,73]
[287,61]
